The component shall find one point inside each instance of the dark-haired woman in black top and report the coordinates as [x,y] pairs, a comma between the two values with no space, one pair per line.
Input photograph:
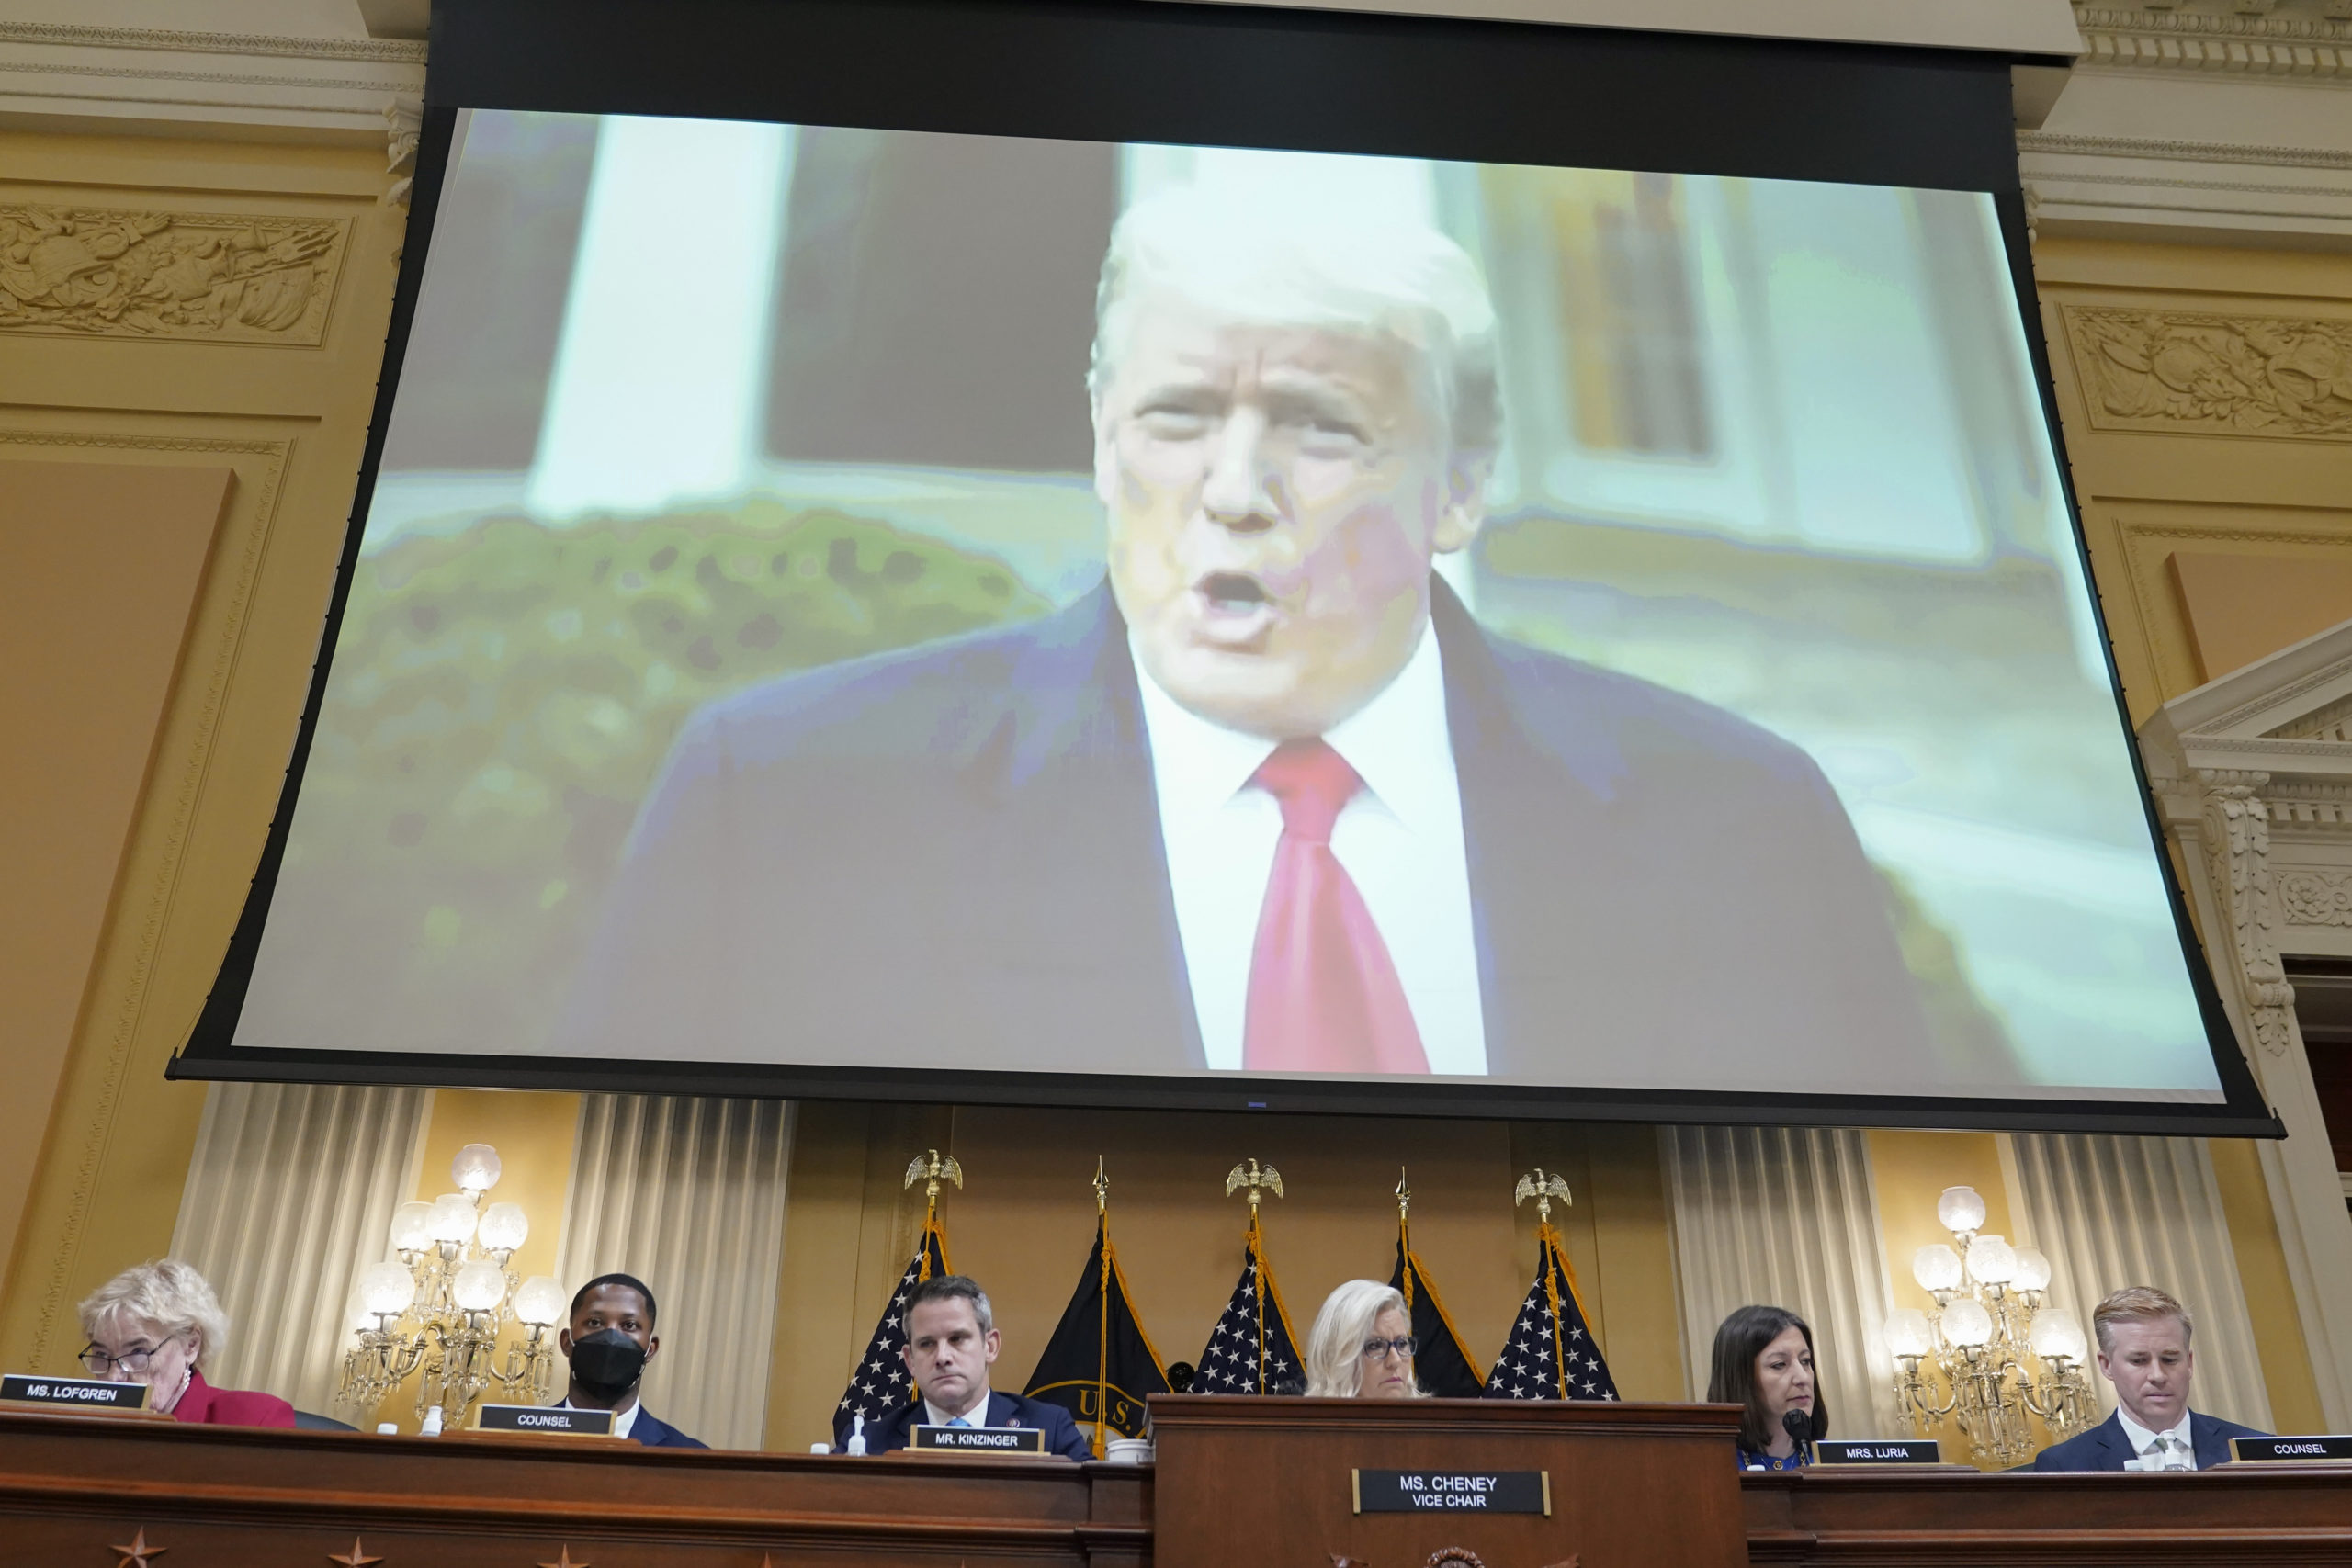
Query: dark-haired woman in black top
[1764,1364]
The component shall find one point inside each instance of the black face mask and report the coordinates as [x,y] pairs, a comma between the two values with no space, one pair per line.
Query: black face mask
[607,1363]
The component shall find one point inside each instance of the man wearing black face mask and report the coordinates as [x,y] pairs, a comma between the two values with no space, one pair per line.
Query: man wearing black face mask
[609,1341]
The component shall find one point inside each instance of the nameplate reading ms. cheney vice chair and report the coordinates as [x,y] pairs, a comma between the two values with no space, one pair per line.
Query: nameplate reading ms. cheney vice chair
[1275,1481]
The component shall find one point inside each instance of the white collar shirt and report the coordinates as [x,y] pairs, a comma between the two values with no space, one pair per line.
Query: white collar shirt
[2179,1451]
[975,1417]
[622,1419]
[1399,838]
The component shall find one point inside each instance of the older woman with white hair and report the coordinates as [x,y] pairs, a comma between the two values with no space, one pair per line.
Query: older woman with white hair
[155,1323]
[1362,1345]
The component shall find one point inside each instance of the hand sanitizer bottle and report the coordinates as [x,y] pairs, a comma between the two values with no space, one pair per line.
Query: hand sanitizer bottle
[857,1444]
[432,1427]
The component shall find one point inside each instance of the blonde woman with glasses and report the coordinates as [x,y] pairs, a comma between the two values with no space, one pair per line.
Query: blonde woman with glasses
[1362,1345]
[155,1323]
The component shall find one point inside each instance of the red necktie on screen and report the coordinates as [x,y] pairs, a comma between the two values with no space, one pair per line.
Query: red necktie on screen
[1324,996]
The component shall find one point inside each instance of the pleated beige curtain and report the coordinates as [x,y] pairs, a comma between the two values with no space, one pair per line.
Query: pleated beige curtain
[1785,1217]
[290,1194]
[2117,1212]
[688,1195]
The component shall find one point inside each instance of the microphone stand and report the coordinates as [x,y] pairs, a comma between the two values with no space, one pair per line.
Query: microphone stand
[1798,1425]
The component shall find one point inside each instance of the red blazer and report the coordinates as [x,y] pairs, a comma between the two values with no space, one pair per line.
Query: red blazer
[230,1406]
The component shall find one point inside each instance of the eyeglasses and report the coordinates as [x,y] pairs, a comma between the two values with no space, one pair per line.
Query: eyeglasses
[1377,1349]
[96,1361]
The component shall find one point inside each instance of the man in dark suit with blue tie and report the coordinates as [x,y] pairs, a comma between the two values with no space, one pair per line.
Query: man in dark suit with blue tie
[608,1342]
[952,1339]
[1270,800]
[2143,1351]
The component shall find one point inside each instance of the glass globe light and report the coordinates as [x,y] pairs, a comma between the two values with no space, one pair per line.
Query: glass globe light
[1991,1260]
[2033,1270]
[386,1288]
[475,1168]
[1960,1209]
[1908,1332]
[2056,1333]
[540,1301]
[1937,1267]
[504,1226]
[454,1218]
[1967,1324]
[413,1227]
[480,1286]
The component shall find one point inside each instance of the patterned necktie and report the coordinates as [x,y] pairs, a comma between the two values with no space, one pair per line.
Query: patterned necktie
[1324,996]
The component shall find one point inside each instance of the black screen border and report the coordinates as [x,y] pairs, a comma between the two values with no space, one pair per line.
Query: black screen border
[1662,102]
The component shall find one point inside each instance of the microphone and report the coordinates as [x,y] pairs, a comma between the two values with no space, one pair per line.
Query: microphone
[1798,1424]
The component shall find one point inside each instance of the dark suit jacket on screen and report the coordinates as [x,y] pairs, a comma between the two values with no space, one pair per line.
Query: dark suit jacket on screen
[2105,1447]
[951,856]
[1062,1436]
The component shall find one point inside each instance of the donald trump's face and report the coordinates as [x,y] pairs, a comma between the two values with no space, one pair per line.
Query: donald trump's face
[1276,494]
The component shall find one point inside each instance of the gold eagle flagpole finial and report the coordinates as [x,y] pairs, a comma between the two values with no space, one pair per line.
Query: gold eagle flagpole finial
[1258,1179]
[1543,1189]
[931,1169]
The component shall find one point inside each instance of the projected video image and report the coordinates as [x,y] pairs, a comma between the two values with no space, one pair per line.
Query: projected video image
[840,597]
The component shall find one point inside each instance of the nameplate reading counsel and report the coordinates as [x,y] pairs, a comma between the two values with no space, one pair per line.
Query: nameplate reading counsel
[554,1421]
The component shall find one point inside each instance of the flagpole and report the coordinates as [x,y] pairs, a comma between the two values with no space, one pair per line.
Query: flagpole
[931,1169]
[1255,1178]
[1543,1188]
[1404,1242]
[1102,1340]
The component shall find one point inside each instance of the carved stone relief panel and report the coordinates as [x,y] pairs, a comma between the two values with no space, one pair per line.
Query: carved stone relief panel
[2189,371]
[84,272]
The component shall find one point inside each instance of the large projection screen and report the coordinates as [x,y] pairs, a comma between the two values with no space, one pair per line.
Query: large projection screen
[1196,603]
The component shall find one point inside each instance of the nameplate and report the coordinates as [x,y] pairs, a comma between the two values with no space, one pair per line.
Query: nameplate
[2299,1449]
[979,1440]
[1454,1491]
[541,1420]
[1889,1450]
[74,1393]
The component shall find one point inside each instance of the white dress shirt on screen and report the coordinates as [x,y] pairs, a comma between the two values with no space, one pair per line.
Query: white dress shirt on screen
[1399,838]
[2178,1450]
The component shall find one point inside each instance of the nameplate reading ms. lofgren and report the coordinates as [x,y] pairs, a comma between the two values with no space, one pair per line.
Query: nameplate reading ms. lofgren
[77,1393]
[2306,1449]
[979,1440]
[540,1418]
[1879,1451]
[1454,1491]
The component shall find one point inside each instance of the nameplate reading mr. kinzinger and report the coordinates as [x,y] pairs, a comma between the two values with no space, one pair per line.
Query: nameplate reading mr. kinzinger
[979,1440]
[1454,1491]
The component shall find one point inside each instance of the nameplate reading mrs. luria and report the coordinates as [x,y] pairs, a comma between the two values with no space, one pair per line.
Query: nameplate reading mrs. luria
[1876,1450]
[979,1440]
[1454,1491]
[2306,1451]
[555,1422]
[74,1393]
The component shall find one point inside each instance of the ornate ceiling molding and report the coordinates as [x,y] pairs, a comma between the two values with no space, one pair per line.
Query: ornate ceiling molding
[397,51]
[2056,143]
[2314,42]
[93,76]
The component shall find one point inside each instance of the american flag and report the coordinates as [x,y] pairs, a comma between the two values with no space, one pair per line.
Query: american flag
[1551,1319]
[880,1384]
[1254,1315]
